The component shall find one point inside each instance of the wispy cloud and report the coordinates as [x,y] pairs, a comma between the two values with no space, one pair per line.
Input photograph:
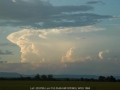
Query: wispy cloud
[95,2]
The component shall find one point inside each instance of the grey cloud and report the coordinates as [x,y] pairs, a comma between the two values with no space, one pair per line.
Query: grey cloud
[2,62]
[7,44]
[30,13]
[0,58]
[81,19]
[95,2]
[7,52]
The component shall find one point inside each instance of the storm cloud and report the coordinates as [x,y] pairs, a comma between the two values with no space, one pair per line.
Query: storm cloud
[37,45]
[42,14]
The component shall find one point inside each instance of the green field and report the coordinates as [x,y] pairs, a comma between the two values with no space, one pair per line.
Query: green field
[26,85]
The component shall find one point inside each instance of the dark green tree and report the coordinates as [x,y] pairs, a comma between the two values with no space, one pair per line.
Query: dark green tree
[101,78]
[92,79]
[44,77]
[81,79]
[110,79]
[21,77]
[37,77]
[50,77]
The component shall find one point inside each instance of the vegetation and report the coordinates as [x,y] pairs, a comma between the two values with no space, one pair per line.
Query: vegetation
[51,78]
[28,83]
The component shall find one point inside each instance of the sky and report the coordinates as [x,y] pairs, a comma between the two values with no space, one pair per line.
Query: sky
[78,37]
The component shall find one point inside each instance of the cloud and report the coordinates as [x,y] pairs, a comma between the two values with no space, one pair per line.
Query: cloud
[68,56]
[2,31]
[101,53]
[3,62]
[32,68]
[0,58]
[7,52]
[90,29]
[95,2]
[80,38]
[7,44]
[14,0]
[91,67]
[35,48]
[41,14]
[48,44]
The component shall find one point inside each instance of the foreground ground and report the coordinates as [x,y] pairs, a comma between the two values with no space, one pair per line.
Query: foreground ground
[38,85]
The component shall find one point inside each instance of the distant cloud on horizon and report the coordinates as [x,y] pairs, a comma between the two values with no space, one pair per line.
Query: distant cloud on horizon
[7,52]
[7,44]
[3,62]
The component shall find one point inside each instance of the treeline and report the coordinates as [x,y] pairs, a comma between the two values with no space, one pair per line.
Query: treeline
[51,78]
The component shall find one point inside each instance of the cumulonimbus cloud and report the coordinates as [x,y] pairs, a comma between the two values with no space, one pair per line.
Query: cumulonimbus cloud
[48,44]
[34,46]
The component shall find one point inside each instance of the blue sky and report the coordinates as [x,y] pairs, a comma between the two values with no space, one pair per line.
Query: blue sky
[60,36]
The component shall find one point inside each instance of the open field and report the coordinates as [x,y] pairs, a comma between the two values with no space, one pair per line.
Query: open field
[26,85]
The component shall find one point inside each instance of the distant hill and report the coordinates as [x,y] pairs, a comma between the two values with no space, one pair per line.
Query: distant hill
[14,74]
[9,74]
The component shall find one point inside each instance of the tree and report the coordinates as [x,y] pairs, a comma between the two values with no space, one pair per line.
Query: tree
[21,77]
[50,77]
[37,77]
[92,79]
[43,77]
[101,78]
[110,79]
[81,79]
[28,78]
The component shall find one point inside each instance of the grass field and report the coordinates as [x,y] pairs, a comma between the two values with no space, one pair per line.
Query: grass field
[26,85]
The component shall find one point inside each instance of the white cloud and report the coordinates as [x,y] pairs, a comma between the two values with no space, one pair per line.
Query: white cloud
[82,29]
[33,45]
[50,44]
[68,56]
[80,38]
[101,53]
[14,0]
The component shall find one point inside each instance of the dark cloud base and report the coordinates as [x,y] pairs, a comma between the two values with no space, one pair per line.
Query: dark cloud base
[41,14]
